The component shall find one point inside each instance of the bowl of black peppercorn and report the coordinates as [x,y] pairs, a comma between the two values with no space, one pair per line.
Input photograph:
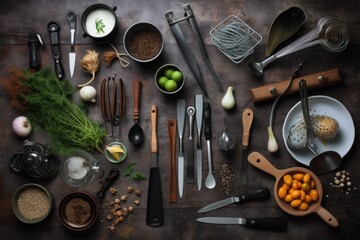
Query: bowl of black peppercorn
[143,42]
[78,211]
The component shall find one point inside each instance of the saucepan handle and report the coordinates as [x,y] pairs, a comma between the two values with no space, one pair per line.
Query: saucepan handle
[259,161]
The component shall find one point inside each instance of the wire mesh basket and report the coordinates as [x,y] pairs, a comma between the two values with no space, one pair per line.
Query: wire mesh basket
[235,38]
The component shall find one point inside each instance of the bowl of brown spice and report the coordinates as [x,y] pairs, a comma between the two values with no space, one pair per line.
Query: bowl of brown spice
[143,42]
[32,203]
[78,211]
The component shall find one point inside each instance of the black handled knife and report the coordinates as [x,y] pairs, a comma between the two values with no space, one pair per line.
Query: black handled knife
[270,223]
[257,194]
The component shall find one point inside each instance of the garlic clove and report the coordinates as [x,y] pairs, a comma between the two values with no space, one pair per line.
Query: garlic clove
[88,94]
[228,101]
[21,126]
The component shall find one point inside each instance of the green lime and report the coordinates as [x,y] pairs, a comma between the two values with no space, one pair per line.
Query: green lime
[170,85]
[177,76]
[161,81]
[168,72]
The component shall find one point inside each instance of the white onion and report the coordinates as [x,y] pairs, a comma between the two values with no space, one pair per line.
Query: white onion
[21,126]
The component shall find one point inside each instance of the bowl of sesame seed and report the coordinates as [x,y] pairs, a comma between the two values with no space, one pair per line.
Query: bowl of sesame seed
[143,42]
[32,203]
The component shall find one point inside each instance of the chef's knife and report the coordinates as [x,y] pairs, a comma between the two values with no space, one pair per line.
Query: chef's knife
[181,108]
[154,211]
[247,119]
[71,18]
[190,160]
[270,223]
[199,105]
[257,194]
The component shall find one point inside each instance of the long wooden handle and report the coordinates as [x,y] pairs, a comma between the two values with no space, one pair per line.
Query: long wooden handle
[137,92]
[259,161]
[154,145]
[171,125]
[247,119]
[317,80]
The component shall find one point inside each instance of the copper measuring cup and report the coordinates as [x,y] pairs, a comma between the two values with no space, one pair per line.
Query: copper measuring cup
[259,161]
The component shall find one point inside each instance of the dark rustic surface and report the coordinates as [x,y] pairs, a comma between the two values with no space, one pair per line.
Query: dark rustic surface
[18,17]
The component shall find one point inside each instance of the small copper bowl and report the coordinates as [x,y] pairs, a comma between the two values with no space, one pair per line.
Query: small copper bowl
[78,211]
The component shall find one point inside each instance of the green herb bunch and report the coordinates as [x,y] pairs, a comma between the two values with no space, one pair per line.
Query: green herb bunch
[46,101]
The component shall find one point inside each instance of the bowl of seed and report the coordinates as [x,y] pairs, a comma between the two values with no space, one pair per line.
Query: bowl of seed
[32,203]
[78,211]
[143,42]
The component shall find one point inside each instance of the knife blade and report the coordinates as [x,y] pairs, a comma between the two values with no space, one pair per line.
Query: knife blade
[247,119]
[154,210]
[257,194]
[71,18]
[190,161]
[199,105]
[180,126]
[269,223]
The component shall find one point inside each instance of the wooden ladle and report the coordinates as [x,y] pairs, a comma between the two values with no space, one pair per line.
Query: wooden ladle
[260,162]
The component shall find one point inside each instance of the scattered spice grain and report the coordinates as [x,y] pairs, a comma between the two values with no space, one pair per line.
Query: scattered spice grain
[227,179]
[33,203]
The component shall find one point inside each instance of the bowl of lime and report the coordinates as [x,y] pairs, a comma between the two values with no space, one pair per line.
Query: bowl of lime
[115,152]
[169,79]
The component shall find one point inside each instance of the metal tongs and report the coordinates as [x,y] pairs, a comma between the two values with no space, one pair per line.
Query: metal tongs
[185,48]
[112,101]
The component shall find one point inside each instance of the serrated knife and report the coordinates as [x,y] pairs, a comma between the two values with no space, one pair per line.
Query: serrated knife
[199,108]
[257,194]
[181,108]
[71,18]
[270,223]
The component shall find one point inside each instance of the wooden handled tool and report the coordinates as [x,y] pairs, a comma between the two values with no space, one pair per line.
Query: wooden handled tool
[317,80]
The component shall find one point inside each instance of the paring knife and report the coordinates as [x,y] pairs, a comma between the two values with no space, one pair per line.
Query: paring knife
[190,176]
[181,108]
[71,18]
[154,210]
[257,194]
[270,223]
[247,119]
[199,106]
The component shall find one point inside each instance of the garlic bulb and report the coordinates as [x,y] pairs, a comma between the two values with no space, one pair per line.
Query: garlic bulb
[272,144]
[88,94]
[21,126]
[228,101]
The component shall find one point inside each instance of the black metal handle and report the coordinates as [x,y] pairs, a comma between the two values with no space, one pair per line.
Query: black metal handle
[258,194]
[155,211]
[271,223]
[53,29]
[71,18]
[34,44]
[207,116]
[112,176]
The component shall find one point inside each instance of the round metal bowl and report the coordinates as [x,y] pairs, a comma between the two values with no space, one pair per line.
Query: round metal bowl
[32,203]
[95,15]
[161,72]
[143,42]
[78,211]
